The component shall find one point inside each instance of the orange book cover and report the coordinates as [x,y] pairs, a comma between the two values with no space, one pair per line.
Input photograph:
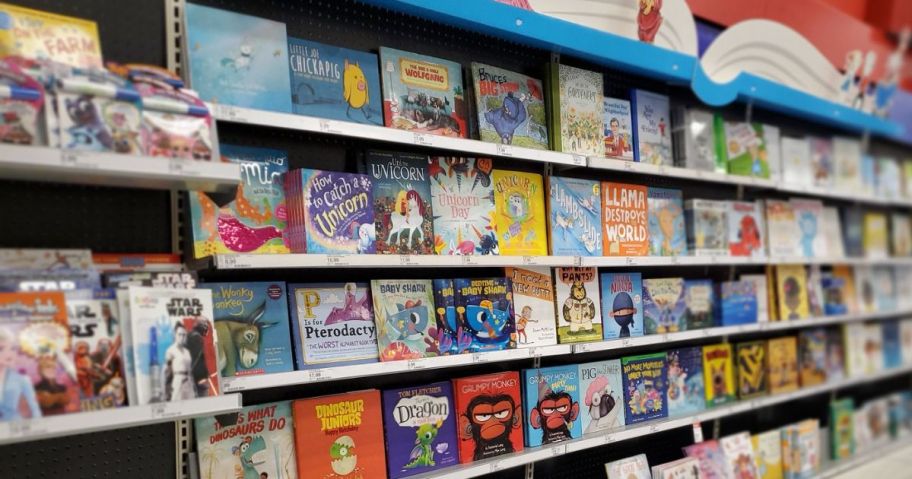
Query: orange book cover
[625,217]
[340,436]
[782,360]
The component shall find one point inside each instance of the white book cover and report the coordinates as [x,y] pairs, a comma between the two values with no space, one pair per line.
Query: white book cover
[831,229]
[772,141]
[808,213]
[861,429]
[815,291]
[855,336]
[707,227]
[905,340]
[126,332]
[903,287]
[739,455]
[796,162]
[635,467]
[901,234]
[746,229]
[847,164]
[889,182]
[783,233]
[694,139]
[760,283]
[533,306]
[873,348]
[684,468]
[865,288]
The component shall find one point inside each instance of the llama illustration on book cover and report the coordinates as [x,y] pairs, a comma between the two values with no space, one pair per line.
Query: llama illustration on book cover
[533,306]
[489,414]
[625,213]
[579,317]
[575,216]
[403,214]
[510,107]
[462,195]
[420,428]
[520,219]
[404,314]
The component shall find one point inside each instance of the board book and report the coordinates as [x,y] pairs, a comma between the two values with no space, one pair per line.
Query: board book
[551,405]
[742,147]
[841,435]
[533,306]
[768,453]
[622,305]
[618,129]
[484,311]
[782,229]
[667,232]
[403,212]
[710,457]
[404,314]
[835,354]
[576,110]
[577,299]
[684,468]
[419,425]
[625,214]
[737,303]
[694,140]
[520,220]
[489,415]
[652,127]
[575,220]
[686,391]
[664,307]
[451,337]
[463,203]
[510,107]
[808,218]
[719,374]
[645,380]
[812,356]
[603,395]
[760,282]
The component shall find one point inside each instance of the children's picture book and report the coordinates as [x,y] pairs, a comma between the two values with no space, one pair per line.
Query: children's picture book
[664,307]
[768,454]
[510,107]
[625,214]
[174,344]
[255,220]
[815,290]
[97,345]
[742,147]
[463,203]
[841,435]
[694,139]
[796,162]
[684,468]
[890,342]
[874,235]
[403,215]
[834,294]
[759,281]
[651,127]
[451,337]
[340,436]
[739,455]
[905,335]
[792,292]
[846,164]
[752,369]
[419,425]
[686,391]
[805,448]
[622,304]
[783,364]
[782,229]
[719,374]
[484,311]
[405,319]
[900,234]
[667,234]
[520,220]
[579,317]
[808,215]
[645,379]
[699,300]
[822,168]
[835,355]
[707,227]
[746,229]
[846,274]
[576,110]
[737,303]
[334,213]
[884,288]
[575,220]
[237,59]
[551,405]
[852,220]
[489,415]
[603,395]
[251,328]
[712,460]
[618,129]
[634,467]
[257,441]
[332,324]
[865,289]
[889,181]
[854,339]
[36,34]
[423,94]
[328,81]
[812,356]
[831,230]
[533,306]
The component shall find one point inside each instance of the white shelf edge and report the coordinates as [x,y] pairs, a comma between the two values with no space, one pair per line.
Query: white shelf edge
[667,171]
[834,468]
[131,416]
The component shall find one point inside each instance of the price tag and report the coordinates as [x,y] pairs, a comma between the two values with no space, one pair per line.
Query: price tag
[328,126]
[336,260]
[578,160]
[628,166]
[422,139]
[534,352]
[229,113]
[164,410]
[504,150]
[467,260]
[625,342]
[653,428]
[76,159]
[494,466]
[706,332]
[577,261]
[580,348]
[662,170]
[630,261]
[227,261]
[477,358]
[557,451]
[22,429]
[675,260]
[315,375]
[609,438]
[698,432]
[529,260]
[416,364]
[664,337]
[407,260]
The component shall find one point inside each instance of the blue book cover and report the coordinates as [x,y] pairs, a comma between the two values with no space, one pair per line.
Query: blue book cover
[419,424]
[685,381]
[645,380]
[622,305]
[551,405]
[462,193]
[403,215]
[251,324]
[484,310]
[699,299]
[451,338]
[602,393]
[575,219]
[667,234]
[892,346]
[737,303]
[834,294]
[651,114]
[332,324]
[237,59]
[510,107]
[884,288]
[338,212]
[663,305]
[334,82]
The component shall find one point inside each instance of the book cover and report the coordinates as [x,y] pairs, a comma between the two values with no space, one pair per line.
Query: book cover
[850,295]
[745,151]
[900,234]
[768,454]
[337,212]
[419,424]
[651,127]
[752,369]
[625,214]
[577,115]
[37,34]
[520,220]
[874,235]
[667,234]
[759,281]
[634,467]
[403,215]
[783,364]
[866,289]
[771,140]
[97,344]
[462,198]
[686,390]
[834,294]
[489,415]
[255,220]
[846,163]
[746,229]
[451,337]
[890,342]
[796,162]
[340,436]
[853,223]
[718,374]
[237,59]
[831,230]
[739,455]
[332,324]
[835,355]
[712,460]
[782,229]
[791,290]
[707,227]
[645,379]
[328,81]
[806,449]
[575,219]
[889,181]
[577,293]
[812,356]
[841,435]
[618,129]
[484,310]
[694,139]
[737,303]
[533,306]
[622,304]
[404,314]
[905,334]
[551,405]
[510,107]
[664,307]
[257,441]
[423,94]
[822,168]
[808,214]
[251,326]
[174,345]
[603,395]
[854,340]
[884,288]
[684,468]
[699,300]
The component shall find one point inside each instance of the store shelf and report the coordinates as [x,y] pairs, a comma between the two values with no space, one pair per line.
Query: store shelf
[36,163]
[132,416]
[877,453]
[677,172]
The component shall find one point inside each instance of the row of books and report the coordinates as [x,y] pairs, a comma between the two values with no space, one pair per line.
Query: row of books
[860,428]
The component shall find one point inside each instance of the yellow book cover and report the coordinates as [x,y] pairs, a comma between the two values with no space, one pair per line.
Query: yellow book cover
[782,356]
[718,374]
[519,218]
[791,291]
[768,454]
[874,235]
[37,34]
[772,306]
[752,369]
[847,275]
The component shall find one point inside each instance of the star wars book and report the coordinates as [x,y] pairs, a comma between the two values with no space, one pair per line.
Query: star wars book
[489,415]
[37,34]
[533,306]
[403,215]
[841,435]
[664,307]
[812,356]
[719,374]
[257,441]
[707,227]
[576,110]
[520,220]
[652,127]
[551,405]
[739,455]
[752,369]
[625,213]
[782,354]
[579,317]
[699,300]
[340,436]
[462,195]
[618,129]
[451,337]
[645,382]
[686,390]
[420,429]
[768,454]
[510,107]
[97,344]
[334,82]
[484,310]
[575,216]
[423,94]
[746,229]
[667,232]
[622,305]
[603,395]
[711,459]
[404,314]
[792,292]
[635,467]
[694,140]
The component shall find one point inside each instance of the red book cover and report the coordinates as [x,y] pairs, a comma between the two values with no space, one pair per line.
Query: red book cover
[625,218]
[489,415]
